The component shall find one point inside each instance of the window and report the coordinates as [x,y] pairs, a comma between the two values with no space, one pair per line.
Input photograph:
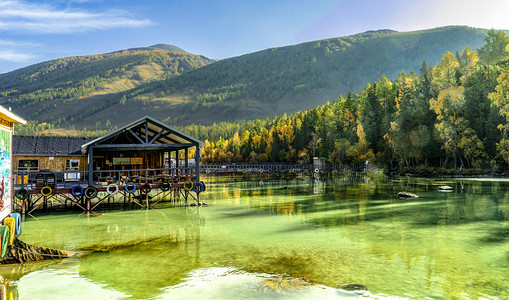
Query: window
[28,165]
[72,165]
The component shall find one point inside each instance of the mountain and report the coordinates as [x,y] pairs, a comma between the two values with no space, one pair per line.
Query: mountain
[43,91]
[181,88]
[170,48]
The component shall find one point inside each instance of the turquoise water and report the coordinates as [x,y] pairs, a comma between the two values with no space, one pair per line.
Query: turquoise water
[294,238]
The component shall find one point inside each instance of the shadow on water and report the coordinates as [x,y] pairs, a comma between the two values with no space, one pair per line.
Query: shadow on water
[142,270]
[497,235]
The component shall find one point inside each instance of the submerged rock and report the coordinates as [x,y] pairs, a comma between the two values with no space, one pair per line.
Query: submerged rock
[283,285]
[354,287]
[445,188]
[403,195]
[352,290]
[20,252]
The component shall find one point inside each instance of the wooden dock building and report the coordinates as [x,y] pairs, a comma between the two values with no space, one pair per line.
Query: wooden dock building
[141,157]
[57,153]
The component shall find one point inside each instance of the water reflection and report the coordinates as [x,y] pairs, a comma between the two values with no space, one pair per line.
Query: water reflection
[317,234]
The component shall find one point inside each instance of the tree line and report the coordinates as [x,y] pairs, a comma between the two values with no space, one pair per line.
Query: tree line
[454,114]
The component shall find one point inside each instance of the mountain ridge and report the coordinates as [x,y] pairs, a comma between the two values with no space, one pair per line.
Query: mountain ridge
[255,85]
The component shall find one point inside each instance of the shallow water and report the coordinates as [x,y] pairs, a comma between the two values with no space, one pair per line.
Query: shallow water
[296,238]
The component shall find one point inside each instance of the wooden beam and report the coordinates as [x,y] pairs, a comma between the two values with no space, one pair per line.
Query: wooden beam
[137,137]
[156,137]
[144,146]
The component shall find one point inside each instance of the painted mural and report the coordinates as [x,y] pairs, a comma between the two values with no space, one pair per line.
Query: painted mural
[5,173]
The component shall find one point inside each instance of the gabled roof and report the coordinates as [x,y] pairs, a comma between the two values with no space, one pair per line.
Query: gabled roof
[47,145]
[144,134]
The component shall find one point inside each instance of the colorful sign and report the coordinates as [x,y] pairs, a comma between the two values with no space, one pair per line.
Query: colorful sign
[5,173]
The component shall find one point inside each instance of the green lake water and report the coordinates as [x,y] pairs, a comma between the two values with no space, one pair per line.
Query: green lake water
[293,238]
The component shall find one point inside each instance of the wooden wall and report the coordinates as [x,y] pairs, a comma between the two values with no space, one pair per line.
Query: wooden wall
[149,160]
[54,163]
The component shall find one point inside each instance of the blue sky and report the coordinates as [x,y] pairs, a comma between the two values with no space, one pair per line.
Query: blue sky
[35,31]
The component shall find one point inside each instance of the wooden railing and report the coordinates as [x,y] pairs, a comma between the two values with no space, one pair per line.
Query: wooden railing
[65,179]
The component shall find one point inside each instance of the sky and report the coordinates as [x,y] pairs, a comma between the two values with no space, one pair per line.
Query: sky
[33,31]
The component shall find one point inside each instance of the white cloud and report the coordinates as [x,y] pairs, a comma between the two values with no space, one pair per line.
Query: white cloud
[22,16]
[17,43]
[12,56]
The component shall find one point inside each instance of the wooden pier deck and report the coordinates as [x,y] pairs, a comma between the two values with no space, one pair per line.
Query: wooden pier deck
[35,190]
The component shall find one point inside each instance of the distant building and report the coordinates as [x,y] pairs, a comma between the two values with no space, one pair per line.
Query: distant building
[56,153]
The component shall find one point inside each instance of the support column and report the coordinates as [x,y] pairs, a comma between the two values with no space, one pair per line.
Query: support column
[177,164]
[197,166]
[186,162]
[197,160]
[90,165]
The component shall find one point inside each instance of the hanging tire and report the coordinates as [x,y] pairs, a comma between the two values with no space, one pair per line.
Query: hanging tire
[146,188]
[90,192]
[11,223]
[46,191]
[22,194]
[17,219]
[188,185]
[198,187]
[165,186]
[112,189]
[316,170]
[130,187]
[207,171]
[77,191]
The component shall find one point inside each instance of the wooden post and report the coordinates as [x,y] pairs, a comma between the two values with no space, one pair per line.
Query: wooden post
[177,164]
[90,165]
[197,160]
[186,161]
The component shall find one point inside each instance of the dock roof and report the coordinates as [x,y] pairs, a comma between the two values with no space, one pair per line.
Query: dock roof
[145,134]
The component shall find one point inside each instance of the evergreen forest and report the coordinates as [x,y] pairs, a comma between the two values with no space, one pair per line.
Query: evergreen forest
[452,115]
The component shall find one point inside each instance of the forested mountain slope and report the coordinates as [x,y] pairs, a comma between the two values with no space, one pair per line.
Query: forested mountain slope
[43,91]
[442,120]
[256,85]
[289,79]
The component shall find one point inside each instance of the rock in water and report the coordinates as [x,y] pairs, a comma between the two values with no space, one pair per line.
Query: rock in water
[20,252]
[354,287]
[445,188]
[403,195]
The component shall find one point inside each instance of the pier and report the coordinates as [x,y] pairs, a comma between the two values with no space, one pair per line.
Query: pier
[137,162]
